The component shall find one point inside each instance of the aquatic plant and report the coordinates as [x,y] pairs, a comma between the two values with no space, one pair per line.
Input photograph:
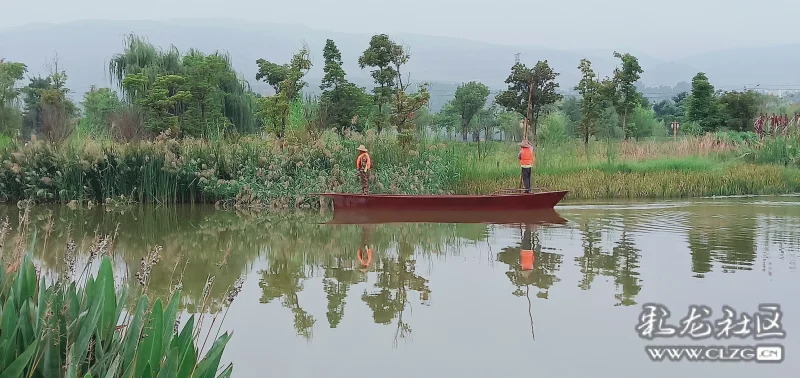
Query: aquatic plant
[68,327]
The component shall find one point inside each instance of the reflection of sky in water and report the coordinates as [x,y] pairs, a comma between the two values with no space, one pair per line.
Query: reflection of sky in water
[475,321]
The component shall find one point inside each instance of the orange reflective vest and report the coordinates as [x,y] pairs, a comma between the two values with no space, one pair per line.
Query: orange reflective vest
[526,157]
[363,162]
[526,259]
[360,256]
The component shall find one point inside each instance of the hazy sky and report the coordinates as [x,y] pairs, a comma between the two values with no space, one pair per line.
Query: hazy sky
[667,29]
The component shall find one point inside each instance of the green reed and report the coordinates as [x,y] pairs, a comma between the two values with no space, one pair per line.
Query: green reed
[249,169]
[709,165]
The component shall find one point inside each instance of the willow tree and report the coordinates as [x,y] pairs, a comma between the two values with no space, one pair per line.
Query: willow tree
[141,57]
[220,97]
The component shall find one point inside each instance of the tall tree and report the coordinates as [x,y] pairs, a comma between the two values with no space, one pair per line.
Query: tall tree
[537,84]
[99,106]
[591,103]
[341,100]
[382,55]
[334,73]
[49,112]
[701,105]
[740,108]
[469,100]
[10,116]
[625,95]
[287,80]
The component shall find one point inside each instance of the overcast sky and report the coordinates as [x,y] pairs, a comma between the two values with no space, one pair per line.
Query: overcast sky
[667,29]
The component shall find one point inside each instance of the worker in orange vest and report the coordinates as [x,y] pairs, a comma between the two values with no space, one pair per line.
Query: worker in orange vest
[526,159]
[363,165]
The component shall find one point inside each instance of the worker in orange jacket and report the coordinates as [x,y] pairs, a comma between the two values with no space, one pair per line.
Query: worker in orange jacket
[526,159]
[363,165]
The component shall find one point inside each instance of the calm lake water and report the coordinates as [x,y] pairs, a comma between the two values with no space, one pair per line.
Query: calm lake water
[447,300]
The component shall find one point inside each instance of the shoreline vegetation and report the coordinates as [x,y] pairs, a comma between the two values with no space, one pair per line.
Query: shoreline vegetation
[76,323]
[184,127]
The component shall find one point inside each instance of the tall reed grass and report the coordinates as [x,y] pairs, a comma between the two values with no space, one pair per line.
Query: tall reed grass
[248,171]
[265,173]
[686,167]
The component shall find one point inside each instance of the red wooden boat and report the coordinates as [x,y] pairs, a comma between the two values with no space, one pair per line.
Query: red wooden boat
[493,202]
[380,216]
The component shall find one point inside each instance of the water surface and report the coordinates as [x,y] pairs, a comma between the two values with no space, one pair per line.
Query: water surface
[441,300]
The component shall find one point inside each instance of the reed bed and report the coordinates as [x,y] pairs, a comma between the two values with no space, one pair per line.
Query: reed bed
[248,171]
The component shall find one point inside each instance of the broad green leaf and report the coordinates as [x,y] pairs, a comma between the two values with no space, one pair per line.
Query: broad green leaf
[88,375]
[106,287]
[41,304]
[112,371]
[148,372]
[170,367]
[52,361]
[134,332]
[185,344]
[227,372]
[26,323]
[10,327]
[17,368]
[209,365]
[170,316]
[157,316]
[5,350]
[88,327]
[145,349]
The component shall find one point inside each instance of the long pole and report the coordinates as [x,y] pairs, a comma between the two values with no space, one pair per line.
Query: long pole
[528,116]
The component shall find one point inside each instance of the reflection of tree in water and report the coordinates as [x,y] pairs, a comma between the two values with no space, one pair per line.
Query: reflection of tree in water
[545,267]
[284,279]
[199,239]
[396,277]
[337,282]
[725,236]
[622,263]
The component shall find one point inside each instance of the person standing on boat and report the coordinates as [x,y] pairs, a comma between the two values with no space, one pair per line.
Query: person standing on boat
[363,165]
[526,159]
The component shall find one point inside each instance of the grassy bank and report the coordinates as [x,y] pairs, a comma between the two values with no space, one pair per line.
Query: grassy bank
[267,173]
[710,165]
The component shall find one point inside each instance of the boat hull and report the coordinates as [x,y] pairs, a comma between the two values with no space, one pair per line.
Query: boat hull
[506,217]
[497,202]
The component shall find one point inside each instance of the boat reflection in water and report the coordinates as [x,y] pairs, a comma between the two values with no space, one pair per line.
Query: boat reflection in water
[508,217]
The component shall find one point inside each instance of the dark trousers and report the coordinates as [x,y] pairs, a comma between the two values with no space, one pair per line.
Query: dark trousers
[526,179]
[364,176]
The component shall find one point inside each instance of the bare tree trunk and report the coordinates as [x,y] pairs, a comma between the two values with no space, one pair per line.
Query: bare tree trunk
[624,124]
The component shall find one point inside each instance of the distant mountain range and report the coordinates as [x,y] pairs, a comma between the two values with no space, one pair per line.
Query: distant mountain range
[84,47]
